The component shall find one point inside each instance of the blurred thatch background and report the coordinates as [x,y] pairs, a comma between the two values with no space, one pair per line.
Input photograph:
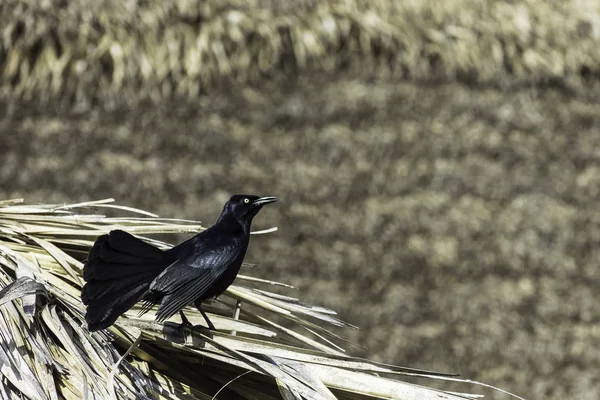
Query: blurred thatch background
[438,162]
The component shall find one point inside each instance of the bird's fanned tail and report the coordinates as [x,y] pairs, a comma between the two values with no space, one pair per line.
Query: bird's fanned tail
[118,272]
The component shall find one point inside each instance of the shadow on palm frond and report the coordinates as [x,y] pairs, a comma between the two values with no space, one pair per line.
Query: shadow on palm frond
[47,353]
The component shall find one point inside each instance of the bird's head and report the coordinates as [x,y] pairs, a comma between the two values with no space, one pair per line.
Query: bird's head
[245,206]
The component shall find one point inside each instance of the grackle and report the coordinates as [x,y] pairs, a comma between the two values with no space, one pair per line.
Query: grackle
[122,269]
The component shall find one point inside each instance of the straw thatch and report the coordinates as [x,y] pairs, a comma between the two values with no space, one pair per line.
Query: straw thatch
[84,51]
[47,353]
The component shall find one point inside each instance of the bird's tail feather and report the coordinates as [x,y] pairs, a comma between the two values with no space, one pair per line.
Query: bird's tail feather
[119,269]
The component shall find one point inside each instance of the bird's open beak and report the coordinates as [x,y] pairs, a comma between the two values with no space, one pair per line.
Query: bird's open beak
[261,201]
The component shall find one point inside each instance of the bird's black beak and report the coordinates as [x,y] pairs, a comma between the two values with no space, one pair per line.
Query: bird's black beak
[261,201]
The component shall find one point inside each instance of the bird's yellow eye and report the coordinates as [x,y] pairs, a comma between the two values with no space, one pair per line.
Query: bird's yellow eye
[246,200]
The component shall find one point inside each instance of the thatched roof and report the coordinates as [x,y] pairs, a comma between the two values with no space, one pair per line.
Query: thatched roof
[85,50]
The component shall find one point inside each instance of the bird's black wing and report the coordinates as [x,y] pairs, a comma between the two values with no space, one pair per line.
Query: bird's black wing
[192,275]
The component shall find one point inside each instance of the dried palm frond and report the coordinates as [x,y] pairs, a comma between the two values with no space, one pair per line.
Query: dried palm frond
[46,352]
[82,51]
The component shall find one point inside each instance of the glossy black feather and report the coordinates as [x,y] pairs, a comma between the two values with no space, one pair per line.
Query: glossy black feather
[207,258]
[119,269]
[102,314]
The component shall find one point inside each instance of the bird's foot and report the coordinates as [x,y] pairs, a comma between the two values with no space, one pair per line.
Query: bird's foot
[185,323]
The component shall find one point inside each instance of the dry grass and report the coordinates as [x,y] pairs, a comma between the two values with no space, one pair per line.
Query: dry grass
[113,52]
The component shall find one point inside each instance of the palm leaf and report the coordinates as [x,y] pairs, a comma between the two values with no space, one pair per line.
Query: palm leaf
[47,353]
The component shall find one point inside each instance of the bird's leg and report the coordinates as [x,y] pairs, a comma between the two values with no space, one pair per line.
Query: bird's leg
[184,321]
[198,305]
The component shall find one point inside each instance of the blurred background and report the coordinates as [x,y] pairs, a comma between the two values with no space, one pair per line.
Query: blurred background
[437,162]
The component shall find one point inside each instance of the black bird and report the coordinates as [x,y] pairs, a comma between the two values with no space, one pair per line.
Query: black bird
[122,269]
